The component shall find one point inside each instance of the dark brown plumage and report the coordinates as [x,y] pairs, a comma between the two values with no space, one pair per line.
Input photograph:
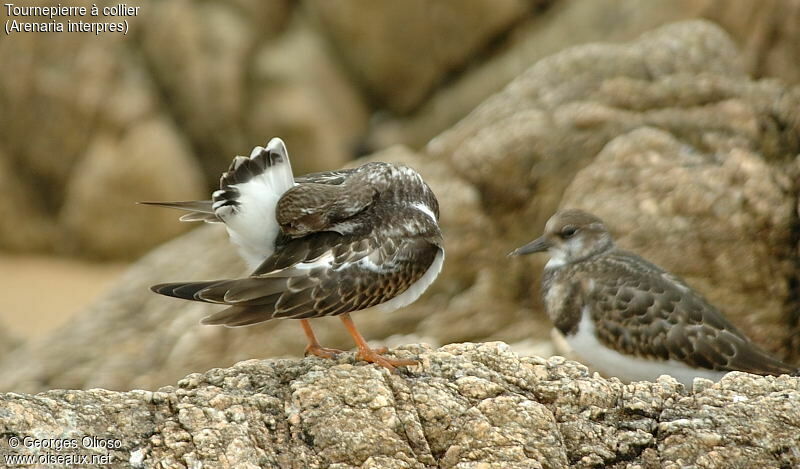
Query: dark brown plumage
[326,244]
[636,309]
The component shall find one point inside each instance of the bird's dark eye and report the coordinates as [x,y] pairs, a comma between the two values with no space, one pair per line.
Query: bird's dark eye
[568,231]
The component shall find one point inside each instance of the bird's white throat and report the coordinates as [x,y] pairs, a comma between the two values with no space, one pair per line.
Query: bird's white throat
[557,259]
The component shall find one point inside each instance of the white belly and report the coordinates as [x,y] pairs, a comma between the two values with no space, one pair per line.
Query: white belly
[418,288]
[609,362]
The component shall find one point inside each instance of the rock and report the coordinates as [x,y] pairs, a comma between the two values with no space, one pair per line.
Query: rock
[767,34]
[59,97]
[33,232]
[139,331]
[47,120]
[8,340]
[149,162]
[466,405]
[303,95]
[402,51]
[549,28]
[206,67]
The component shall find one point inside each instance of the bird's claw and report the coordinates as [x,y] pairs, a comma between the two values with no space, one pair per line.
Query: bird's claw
[322,352]
[374,356]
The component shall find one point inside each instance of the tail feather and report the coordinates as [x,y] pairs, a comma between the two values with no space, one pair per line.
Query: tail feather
[200,210]
[239,292]
[249,192]
[237,316]
[272,161]
[183,290]
[248,291]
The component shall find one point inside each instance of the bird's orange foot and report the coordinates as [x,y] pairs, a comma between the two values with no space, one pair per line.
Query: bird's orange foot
[374,356]
[322,352]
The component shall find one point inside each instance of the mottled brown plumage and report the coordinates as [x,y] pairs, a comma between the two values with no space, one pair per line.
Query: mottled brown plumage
[635,308]
[325,244]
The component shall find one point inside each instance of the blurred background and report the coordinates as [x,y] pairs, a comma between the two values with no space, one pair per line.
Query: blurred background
[683,137]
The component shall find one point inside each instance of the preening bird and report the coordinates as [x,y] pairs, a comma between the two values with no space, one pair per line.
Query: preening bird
[324,244]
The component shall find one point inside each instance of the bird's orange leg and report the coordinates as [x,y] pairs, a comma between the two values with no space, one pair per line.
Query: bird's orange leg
[368,354]
[313,347]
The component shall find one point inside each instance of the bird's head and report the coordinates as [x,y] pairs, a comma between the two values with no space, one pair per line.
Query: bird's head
[569,236]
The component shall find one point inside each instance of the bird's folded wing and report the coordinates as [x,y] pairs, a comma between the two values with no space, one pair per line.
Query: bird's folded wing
[343,279]
[325,177]
[664,319]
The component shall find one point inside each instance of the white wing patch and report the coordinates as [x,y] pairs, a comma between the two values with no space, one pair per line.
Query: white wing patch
[369,264]
[424,209]
[252,225]
[325,260]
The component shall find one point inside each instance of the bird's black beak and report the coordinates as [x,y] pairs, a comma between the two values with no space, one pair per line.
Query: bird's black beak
[537,245]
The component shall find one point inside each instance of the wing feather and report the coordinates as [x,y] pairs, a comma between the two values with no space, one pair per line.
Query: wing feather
[199,210]
[360,279]
[663,318]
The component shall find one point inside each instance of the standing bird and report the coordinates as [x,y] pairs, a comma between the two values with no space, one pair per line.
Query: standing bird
[629,318]
[324,244]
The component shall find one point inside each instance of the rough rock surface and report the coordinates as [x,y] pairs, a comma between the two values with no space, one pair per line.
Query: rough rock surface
[557,26]
[465,406]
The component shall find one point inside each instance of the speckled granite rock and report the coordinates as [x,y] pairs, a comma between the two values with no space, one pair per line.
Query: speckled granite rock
[465,406]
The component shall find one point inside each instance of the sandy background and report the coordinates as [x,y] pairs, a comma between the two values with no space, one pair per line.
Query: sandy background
[41,293]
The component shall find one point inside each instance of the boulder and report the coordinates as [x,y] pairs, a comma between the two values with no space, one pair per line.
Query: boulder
[302,94]
[150,161]
[204,71]
[465,405]
[61,95]
[402,51]
[766,32]
[36,230]
[548,28]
